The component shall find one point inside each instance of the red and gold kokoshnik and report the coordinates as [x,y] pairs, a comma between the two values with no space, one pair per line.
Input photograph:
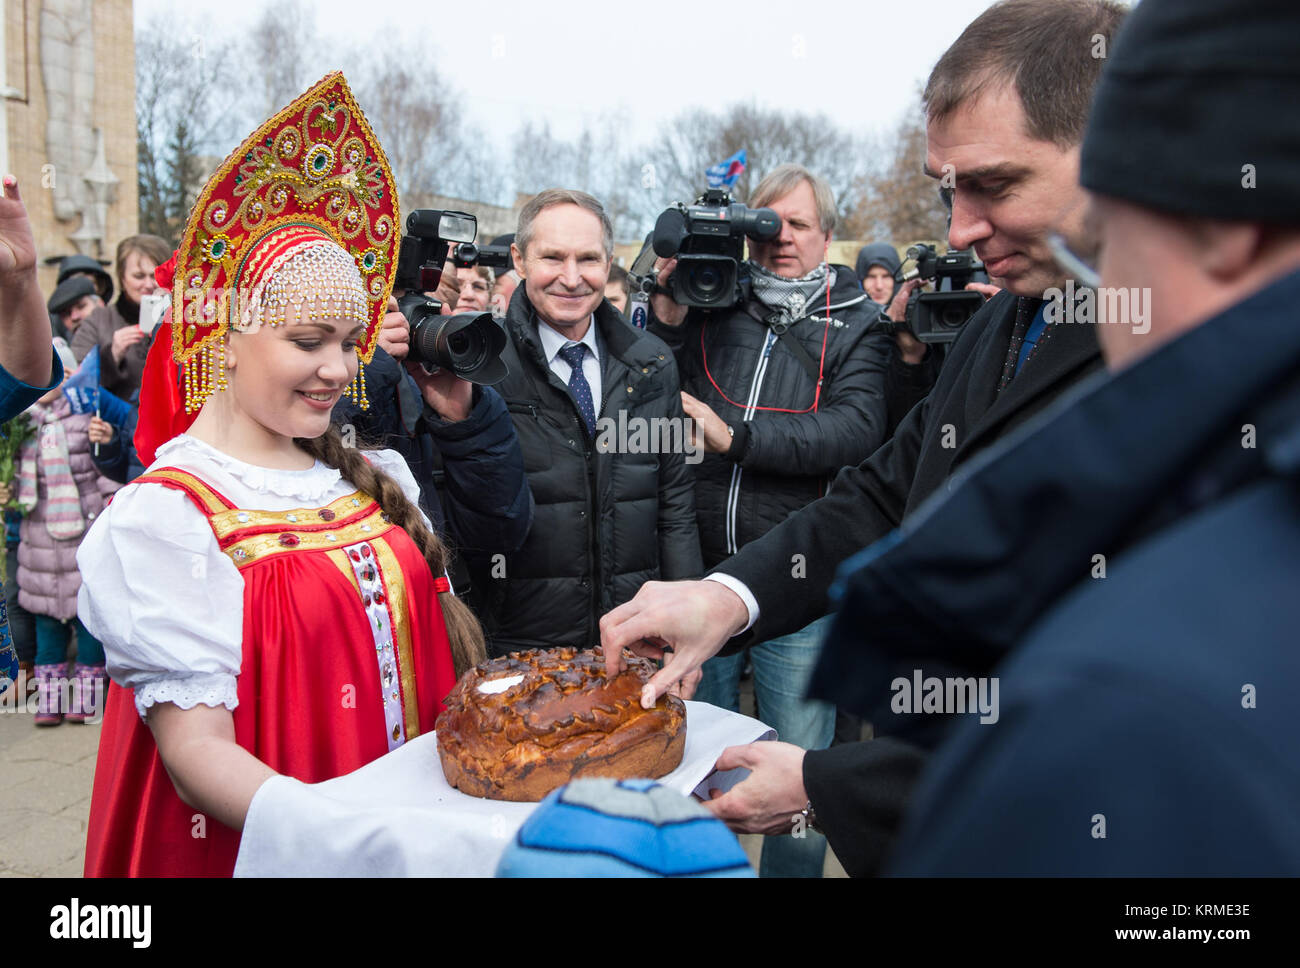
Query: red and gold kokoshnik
[314,172]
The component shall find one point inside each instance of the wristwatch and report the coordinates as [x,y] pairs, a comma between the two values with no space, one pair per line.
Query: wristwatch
[810,817]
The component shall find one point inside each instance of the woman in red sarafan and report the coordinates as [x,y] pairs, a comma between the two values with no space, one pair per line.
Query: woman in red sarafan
[270,600]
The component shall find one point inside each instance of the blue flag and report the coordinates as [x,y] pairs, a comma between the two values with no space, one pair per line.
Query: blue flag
[725,173]
[82,388]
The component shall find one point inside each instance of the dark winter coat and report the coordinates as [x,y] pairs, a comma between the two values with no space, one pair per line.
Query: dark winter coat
[1126,568]
[605,522]
[962,415]
[907,384]
[96,332]
[732,361]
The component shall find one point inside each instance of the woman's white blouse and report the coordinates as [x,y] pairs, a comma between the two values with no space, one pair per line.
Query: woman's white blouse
[158,591]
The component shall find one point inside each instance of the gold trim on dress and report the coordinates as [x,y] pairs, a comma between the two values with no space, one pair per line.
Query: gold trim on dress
[340,558]
[228,522]
[250,550]
[395,590]
[201,490]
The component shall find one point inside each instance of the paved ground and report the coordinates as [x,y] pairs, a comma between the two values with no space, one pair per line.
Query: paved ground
[45,780]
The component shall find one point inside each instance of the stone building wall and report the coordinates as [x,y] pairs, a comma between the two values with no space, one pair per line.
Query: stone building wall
[55,52]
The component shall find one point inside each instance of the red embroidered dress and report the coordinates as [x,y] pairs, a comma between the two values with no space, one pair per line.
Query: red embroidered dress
[344,657]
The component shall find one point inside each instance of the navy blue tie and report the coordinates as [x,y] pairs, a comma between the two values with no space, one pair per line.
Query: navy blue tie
[573,354]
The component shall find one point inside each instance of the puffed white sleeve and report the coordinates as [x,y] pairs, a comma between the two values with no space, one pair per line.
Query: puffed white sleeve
[394,465]
[164,600]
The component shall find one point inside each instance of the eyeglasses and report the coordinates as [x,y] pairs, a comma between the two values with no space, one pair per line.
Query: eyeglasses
[1083,274]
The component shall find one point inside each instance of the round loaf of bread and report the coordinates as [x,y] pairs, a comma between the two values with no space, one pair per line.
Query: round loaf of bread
[517,727]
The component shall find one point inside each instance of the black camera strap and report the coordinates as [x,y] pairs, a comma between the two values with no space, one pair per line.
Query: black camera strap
[791,341]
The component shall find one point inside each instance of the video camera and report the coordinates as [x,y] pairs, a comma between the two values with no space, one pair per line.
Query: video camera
[496,257]
[940,315]
[708,240]
[468,344]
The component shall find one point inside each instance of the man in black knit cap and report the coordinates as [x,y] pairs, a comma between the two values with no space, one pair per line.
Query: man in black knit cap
[1147,539]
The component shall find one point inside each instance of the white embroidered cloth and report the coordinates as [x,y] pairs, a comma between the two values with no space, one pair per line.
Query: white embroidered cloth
[397,817]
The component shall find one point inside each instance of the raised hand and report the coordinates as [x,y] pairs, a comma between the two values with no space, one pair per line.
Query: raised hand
[17,245]
[25,352]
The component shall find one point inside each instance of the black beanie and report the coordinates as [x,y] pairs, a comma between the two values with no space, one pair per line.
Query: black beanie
[878,254]
[72,264]
[1195,105]
[70,292]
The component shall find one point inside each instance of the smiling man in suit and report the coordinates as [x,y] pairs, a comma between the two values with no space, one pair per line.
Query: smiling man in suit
[1006,107]
[614,501]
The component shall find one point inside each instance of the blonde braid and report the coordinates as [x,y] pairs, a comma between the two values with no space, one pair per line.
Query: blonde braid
[463,629]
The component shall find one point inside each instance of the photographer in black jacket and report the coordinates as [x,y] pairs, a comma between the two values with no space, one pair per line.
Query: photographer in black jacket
[458,441]
[787,387]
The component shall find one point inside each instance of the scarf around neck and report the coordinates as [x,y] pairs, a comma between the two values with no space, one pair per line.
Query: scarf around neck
[46,455]
[788,299]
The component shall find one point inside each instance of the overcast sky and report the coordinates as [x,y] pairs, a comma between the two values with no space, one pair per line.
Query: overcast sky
[565,62]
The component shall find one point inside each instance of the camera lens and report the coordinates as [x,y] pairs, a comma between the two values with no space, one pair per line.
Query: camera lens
[953,316]
[706,284]
[466,349]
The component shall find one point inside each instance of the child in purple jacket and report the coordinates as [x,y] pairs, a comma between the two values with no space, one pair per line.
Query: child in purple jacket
[61,493]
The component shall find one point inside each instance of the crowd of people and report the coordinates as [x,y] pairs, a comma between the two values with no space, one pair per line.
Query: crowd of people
[1060,504]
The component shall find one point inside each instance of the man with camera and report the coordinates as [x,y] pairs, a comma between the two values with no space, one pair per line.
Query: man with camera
[592,399]
[785,380]
[458,441]
[1006,106]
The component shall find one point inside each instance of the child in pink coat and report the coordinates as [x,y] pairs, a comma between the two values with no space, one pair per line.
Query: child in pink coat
[61,493]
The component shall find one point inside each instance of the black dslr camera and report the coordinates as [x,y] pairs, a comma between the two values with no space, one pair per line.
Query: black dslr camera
[468,344]
[708,239]
[940,315]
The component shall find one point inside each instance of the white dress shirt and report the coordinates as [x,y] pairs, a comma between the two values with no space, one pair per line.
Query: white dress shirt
[553,341]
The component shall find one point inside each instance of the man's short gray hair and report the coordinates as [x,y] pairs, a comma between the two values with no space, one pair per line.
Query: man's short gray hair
[783,179]
[562,196]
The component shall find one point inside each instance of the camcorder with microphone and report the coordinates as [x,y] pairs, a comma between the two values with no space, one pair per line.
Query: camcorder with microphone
[708,241]
[468,344]
[938,317]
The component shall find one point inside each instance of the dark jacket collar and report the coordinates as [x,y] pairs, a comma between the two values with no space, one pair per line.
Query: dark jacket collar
[1073,349]
[619,341]
[967,574]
